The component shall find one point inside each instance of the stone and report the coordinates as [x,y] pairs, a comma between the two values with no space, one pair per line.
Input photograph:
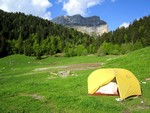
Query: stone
[90,25]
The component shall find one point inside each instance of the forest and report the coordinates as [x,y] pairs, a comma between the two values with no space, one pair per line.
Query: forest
[34,36]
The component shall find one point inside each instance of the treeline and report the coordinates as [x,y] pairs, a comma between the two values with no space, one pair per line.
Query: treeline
[34,36]
[124,40]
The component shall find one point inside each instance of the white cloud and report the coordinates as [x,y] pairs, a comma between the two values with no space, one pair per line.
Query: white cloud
[34,7]
[79,6]
[125,24]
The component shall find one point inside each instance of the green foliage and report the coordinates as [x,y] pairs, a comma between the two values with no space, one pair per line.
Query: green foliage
[34,36]
[115,50]
[84,52]
[79,50]
[137,45]
[91,49]
[19,44]
[38,52]
[101,51]
[70,52]
[108,49]
[126,48]
[3,44]
[137,31]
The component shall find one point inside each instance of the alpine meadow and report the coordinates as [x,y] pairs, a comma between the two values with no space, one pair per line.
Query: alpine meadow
[44,66]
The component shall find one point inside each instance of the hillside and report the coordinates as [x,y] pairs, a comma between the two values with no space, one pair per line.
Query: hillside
[34,36]
[29,85]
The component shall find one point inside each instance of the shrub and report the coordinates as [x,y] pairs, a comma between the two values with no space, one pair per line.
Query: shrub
[126,48]
[137,45]
[101,51]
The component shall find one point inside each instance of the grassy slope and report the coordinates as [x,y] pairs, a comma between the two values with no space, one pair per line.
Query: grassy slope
[23,90]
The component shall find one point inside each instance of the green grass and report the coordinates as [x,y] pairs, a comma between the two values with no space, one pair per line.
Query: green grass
[23,90]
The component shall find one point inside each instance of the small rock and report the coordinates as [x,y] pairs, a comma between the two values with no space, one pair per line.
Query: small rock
[144,82]
[142,102]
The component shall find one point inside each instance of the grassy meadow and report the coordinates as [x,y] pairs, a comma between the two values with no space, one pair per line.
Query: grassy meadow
[29,86]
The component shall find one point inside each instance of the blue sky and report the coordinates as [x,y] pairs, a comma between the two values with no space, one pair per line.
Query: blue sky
[115,12]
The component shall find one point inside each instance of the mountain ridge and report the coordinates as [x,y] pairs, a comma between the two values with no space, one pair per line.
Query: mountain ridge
[91,25]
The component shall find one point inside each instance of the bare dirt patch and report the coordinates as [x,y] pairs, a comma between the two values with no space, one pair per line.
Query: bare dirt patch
[63,74]
[64,71]
[147,79]
[35,96]
[84,66]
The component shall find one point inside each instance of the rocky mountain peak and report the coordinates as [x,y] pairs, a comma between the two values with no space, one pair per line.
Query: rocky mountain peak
[89,25]
[79,20]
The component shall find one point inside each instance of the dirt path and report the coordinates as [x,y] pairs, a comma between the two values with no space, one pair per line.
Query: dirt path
[82,66]
[65,71]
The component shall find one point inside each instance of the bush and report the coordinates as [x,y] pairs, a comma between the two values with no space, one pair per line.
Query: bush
[126,48]
[115,52]
[137,45]
[70,52]
[84,52]
[108,48]
[101,51]
[115,49]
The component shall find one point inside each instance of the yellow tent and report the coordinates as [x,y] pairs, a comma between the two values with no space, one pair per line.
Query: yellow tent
[113,81]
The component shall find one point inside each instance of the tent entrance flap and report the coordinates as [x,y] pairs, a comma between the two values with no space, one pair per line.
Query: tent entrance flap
[109,89]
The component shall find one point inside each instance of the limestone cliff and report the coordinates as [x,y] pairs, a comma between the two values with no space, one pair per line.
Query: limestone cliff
[90,25]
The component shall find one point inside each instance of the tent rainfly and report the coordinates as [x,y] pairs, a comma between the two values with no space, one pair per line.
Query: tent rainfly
[113,81]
